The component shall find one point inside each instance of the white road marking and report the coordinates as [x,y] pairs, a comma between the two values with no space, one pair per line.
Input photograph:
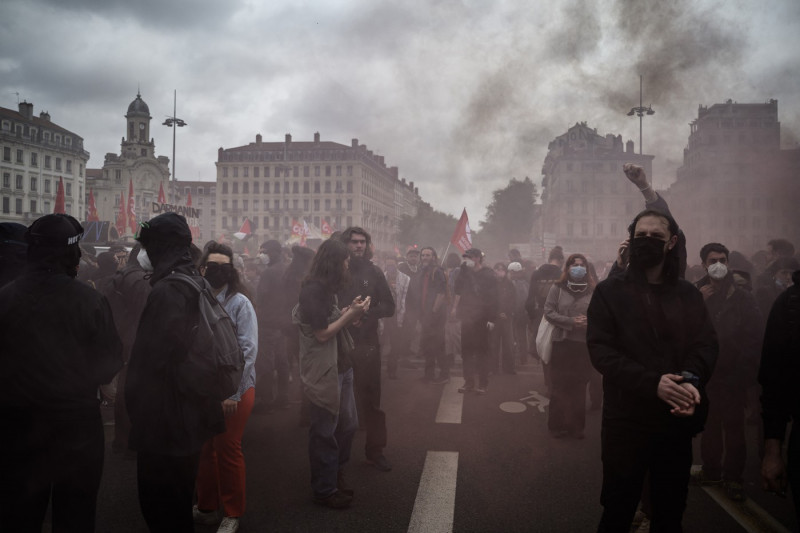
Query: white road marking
[450,405]
[534,400]
[434,506]
[752,517]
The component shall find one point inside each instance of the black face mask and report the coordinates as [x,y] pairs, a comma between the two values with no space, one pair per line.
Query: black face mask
[218,275]
[647,252]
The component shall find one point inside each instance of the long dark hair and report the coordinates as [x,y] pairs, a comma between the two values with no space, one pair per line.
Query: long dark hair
[591,277]
[672,262]
[348,233]
[328,266]
[234,283]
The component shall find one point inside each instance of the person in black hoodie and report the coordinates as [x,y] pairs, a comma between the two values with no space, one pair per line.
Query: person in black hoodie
[651,337]
[168,425]
[59,345]
[366,279]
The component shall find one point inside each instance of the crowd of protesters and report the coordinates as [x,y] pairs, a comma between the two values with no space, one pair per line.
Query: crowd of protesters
[676,342]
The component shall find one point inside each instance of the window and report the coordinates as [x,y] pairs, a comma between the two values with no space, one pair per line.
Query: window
[47,162]
[69,166]
[327,204]
[338,203]
[570,229]
[33,184]
[349,204]
[47,186]
[46,206]
[224,222]
[286,205]
[266,187]
[584,229]
[33,206]
[349,185]
[6,180]
[327,170]
[244,204]
[255,172]
[18,182]
[266,205]
[255,205]
[349,170]
[316,187]
[246,188]
[276,205]
[224,204]
[296,204]
[295,187]
[305,204]
[255,186]
[34,159]
[306,171]
[58,163]
[338,170]
[277,187]
[6,204]
[235,172]
[20,155]
[235,204]
[246,172]
[316,205]
[68,189]
[18,206]
[224,187]
[200,191]
[266,172]
[235,187]
[277,221]
[296,172]
[316,170]
[266,222]
[224,172]
[306,187]
[6,153]
[328,186]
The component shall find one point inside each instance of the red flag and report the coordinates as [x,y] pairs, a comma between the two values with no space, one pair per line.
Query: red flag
[244,231]
[327,230]
[161,198]
[189,200]
[92,208]
[246,251]
[131,209]
[462,237]
[59,207]
[122,220]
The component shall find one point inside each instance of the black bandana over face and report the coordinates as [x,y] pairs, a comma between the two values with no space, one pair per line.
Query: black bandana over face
[218,274]
[647,252]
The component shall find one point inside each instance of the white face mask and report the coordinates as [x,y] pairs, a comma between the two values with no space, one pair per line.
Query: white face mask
[717,271]
[264,258]
[469,263]
[144,260]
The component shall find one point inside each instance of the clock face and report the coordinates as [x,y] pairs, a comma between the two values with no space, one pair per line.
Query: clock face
[141,126]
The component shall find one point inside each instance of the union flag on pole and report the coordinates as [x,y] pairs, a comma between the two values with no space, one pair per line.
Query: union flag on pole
[462,237]
[131,209]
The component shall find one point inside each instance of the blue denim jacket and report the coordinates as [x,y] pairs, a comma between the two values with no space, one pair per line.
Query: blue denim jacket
[243,315]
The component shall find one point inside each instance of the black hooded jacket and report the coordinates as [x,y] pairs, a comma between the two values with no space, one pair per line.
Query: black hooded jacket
[366,279]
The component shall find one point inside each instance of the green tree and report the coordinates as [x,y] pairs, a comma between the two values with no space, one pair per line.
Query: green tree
[429,228]
[509,218]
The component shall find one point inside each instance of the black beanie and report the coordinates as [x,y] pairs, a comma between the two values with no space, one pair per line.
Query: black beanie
[166,228]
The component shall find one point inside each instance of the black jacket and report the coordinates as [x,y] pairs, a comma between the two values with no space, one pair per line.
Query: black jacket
[367,279]
[737,321]
[58,345]
[270,298]
[478,295]
[638,332]
[127,292]
[164,420]
[541,281]
[780,363]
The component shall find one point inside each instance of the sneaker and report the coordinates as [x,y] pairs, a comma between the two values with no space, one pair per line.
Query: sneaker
[230,524]
[466,388]
[481,390]
[735,491]
[342,485]
[337,500]
[207,518]
[441,381]
[703,479]
[380,462]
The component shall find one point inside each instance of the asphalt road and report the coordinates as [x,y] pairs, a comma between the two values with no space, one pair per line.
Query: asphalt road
[495,470]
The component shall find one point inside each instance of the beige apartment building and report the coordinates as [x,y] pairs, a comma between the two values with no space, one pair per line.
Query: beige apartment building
[273,184]
[36,154]
[587,202]
[736,185]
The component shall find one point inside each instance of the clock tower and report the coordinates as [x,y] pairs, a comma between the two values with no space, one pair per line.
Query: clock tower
[137,142]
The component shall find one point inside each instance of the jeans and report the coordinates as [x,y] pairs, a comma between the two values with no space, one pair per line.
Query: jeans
[330,438]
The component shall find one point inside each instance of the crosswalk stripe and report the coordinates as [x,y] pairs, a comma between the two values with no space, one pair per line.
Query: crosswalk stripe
[450,404]
[749,515]
[434,506]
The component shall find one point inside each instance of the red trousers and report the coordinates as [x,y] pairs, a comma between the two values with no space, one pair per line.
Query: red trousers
[221,475]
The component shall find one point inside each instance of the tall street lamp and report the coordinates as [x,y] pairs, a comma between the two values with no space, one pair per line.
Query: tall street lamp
[640,112]
[174,123]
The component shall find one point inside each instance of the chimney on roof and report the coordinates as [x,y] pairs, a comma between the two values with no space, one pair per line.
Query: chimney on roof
[354,143]
[316,138]
[44,115]
[629,146]
[26,110]
[288,138]
[411,184]
[258,138]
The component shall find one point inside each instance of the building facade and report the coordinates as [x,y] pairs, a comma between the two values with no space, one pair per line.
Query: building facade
[37,153]
[136,163]
[736,186]
[587,202]
[275,183]
[204,198]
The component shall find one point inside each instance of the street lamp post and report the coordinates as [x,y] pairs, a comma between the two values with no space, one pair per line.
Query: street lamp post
[640,112]
[174,123]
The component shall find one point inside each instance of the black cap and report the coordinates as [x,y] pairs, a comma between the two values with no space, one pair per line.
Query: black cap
[271,247]
[473,252]
[167,227]
[54,231]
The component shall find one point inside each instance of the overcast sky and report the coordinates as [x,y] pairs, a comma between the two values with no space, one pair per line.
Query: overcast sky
[460,95]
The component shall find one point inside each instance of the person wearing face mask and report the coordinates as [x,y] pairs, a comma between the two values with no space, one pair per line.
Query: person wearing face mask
[221,474]
[168,426]
[570,370]
[650,335]
[737,321]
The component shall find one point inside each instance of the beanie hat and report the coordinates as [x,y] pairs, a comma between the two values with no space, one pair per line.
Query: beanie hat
[54,231]
[165,228]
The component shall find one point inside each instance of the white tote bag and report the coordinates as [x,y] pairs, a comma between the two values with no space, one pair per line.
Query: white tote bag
[544,340]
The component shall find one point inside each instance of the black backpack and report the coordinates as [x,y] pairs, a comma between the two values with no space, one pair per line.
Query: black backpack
[215,362]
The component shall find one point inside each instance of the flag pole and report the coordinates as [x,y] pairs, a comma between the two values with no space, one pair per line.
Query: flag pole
[444,255]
